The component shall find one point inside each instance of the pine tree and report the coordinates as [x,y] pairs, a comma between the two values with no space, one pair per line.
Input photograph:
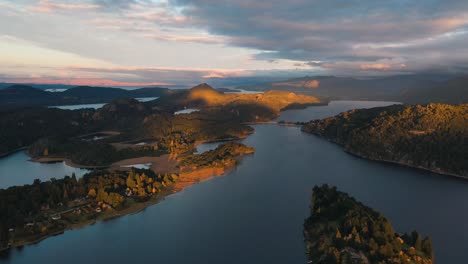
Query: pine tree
[427,246]
[418,243]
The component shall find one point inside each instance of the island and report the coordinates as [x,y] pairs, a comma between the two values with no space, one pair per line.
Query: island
[34,212]
[432,137]
[343,230]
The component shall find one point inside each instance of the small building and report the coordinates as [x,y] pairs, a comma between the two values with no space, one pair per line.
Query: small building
[56,217]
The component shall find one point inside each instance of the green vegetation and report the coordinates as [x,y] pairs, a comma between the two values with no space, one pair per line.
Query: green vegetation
[241,107]
[32,212]
[29,211]
[55,133]
[17,96]
[433,137]
[342,230]
[223,155]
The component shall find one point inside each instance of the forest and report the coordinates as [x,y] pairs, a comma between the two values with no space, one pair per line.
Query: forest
[55,133]
[433,136]
[343,230]
[38,210]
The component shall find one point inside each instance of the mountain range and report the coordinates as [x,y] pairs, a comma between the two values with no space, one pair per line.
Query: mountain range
[16,96]
[424,88]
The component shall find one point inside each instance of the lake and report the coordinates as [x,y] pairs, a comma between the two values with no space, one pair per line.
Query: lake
[16,169]
[186,111]
[96,106]
[255,213]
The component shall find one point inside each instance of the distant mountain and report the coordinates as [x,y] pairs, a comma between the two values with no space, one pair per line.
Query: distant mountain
[454,91]
[39,86]
[423,88]
[24,95]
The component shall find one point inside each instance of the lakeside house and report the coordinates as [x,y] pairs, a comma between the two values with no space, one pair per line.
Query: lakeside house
[56,217]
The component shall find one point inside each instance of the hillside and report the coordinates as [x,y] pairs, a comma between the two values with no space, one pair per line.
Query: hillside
[433,137]
[247,107]
[17,96]
[343,230]
[453,91]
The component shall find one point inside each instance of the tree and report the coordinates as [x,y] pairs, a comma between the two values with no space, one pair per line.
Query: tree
[427,247]
[92,193]
[130,180]
[338,234]
[65,194]
[101,195]
[4,235]
[418,243]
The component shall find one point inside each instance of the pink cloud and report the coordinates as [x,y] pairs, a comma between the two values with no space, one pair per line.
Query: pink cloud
[199,39]
[86,82]
[48,6]
[375,66]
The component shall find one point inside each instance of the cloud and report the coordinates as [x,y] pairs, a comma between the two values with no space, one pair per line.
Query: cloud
[335,31]
[81,81]
[48,6]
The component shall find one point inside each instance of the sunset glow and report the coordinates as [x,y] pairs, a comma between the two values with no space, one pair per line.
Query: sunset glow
[205,39]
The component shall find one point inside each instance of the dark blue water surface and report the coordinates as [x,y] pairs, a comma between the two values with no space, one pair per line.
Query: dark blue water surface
[255,213]
[17,169]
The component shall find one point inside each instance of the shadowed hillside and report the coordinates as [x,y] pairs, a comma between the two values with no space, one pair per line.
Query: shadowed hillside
[405,88]
[17,96]
[432,137]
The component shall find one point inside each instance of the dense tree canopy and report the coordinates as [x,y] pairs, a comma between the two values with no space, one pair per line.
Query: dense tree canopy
[340,229]
[433,136]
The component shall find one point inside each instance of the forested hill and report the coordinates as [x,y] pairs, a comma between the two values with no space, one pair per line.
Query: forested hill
[17,96]
[342,230]
[432,137]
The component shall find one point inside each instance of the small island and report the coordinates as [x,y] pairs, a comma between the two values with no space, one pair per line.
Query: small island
[343,230]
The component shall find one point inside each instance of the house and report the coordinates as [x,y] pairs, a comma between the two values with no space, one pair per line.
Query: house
[56,217]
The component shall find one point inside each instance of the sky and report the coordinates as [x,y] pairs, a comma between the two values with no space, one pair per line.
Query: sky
[185,42]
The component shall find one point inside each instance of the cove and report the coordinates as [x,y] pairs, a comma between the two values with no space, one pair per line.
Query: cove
[16,169]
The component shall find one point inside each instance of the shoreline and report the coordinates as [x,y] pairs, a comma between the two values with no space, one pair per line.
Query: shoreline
[11,152]
[186,179]
[401,164]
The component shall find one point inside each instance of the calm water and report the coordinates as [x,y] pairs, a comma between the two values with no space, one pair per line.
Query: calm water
[97,106]
[186,111]
[255,213]
[16,169]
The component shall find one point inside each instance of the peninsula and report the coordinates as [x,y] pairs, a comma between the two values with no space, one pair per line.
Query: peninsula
[125,132]
[35,212]
[432,137]
[343,230]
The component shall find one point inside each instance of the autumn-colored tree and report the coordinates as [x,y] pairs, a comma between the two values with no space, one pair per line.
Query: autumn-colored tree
[130,180]
[92,193]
